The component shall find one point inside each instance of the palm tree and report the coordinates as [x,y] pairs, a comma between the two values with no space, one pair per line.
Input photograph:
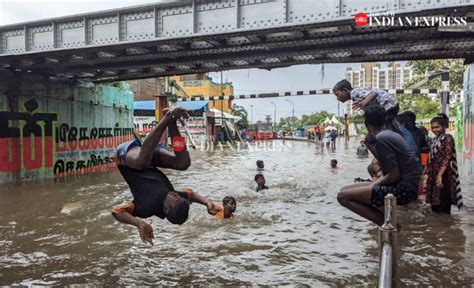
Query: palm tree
[240,111]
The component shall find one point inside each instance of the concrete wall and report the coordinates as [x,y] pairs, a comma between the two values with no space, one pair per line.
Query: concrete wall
[146,89]
[468,122]
[54,130]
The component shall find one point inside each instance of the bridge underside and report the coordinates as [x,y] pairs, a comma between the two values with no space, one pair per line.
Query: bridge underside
[338,41]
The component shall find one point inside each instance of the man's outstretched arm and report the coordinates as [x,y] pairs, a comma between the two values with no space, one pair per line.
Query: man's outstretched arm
[212,208]
[123,213]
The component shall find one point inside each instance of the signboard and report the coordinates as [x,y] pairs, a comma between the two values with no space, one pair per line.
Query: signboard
[144,124]
[197,127]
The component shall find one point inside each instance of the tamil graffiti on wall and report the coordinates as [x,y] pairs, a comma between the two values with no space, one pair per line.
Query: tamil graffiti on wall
[92,147]
[26,139]
[37,144]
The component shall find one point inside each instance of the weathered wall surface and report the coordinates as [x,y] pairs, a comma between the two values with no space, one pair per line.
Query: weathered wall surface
[146,89]
[53,130]
[468,122]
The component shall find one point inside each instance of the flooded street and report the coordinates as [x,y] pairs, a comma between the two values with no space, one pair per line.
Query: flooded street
[294,233]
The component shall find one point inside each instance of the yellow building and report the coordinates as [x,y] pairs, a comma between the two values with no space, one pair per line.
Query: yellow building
[201,85]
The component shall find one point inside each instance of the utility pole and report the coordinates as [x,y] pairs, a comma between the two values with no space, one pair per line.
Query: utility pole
[222,101]
[251,114]
[274,116]
[346,128]
[292,117]
[445,95]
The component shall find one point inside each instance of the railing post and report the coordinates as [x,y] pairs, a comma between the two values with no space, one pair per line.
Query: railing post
[388,244]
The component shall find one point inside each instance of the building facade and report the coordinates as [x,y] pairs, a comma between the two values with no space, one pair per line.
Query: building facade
[201,85]
[394,76]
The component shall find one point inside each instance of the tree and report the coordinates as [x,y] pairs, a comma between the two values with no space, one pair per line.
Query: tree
[316,118]
[423,68]
[268,118]
[240,111]
[287,122]
[423,105]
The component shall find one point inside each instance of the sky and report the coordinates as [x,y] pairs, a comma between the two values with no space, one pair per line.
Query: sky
[303,77]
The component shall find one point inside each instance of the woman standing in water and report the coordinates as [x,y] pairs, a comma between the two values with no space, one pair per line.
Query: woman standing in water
[443,187]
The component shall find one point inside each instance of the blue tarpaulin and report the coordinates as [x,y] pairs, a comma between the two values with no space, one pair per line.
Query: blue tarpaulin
[190,105]
[194,105]
[144,105]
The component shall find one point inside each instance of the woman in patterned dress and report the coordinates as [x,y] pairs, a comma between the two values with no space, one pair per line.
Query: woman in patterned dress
[443,187]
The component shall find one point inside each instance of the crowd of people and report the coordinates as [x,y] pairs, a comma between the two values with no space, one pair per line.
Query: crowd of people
[407,162]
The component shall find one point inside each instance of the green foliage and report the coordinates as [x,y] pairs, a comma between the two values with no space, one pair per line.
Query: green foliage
[316,118]
[313,119]
[423,68]
[240,111]
[287,122]
[268,119]
[422,105]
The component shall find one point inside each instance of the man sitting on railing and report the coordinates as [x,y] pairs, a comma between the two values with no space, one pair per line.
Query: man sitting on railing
[401,171]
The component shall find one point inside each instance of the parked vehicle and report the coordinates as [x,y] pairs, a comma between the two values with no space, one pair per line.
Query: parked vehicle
[251,132]
[261,131]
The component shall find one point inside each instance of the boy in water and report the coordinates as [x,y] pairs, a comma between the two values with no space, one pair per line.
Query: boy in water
[153,193]
[260,165]
[398,162]
[260,179]
[333,165]
[362,151]
[229,205]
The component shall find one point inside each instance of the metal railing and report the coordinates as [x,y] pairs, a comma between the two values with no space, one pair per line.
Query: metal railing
[388,244]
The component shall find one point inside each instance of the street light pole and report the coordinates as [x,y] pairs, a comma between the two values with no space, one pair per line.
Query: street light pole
[274,115]
[251,114]
[292,117]
[222,101]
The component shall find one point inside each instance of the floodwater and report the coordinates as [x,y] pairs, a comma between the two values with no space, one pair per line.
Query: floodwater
[295,233]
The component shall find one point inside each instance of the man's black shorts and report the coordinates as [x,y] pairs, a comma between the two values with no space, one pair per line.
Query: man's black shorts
[403,193]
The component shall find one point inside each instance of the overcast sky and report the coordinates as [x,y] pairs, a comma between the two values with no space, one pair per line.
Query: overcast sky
[247,81]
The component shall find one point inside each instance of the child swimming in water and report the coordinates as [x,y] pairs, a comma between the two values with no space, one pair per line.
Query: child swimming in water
[229,206]
[260,165]
[260,179]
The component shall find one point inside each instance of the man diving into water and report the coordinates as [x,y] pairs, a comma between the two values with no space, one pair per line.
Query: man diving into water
[153,193]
